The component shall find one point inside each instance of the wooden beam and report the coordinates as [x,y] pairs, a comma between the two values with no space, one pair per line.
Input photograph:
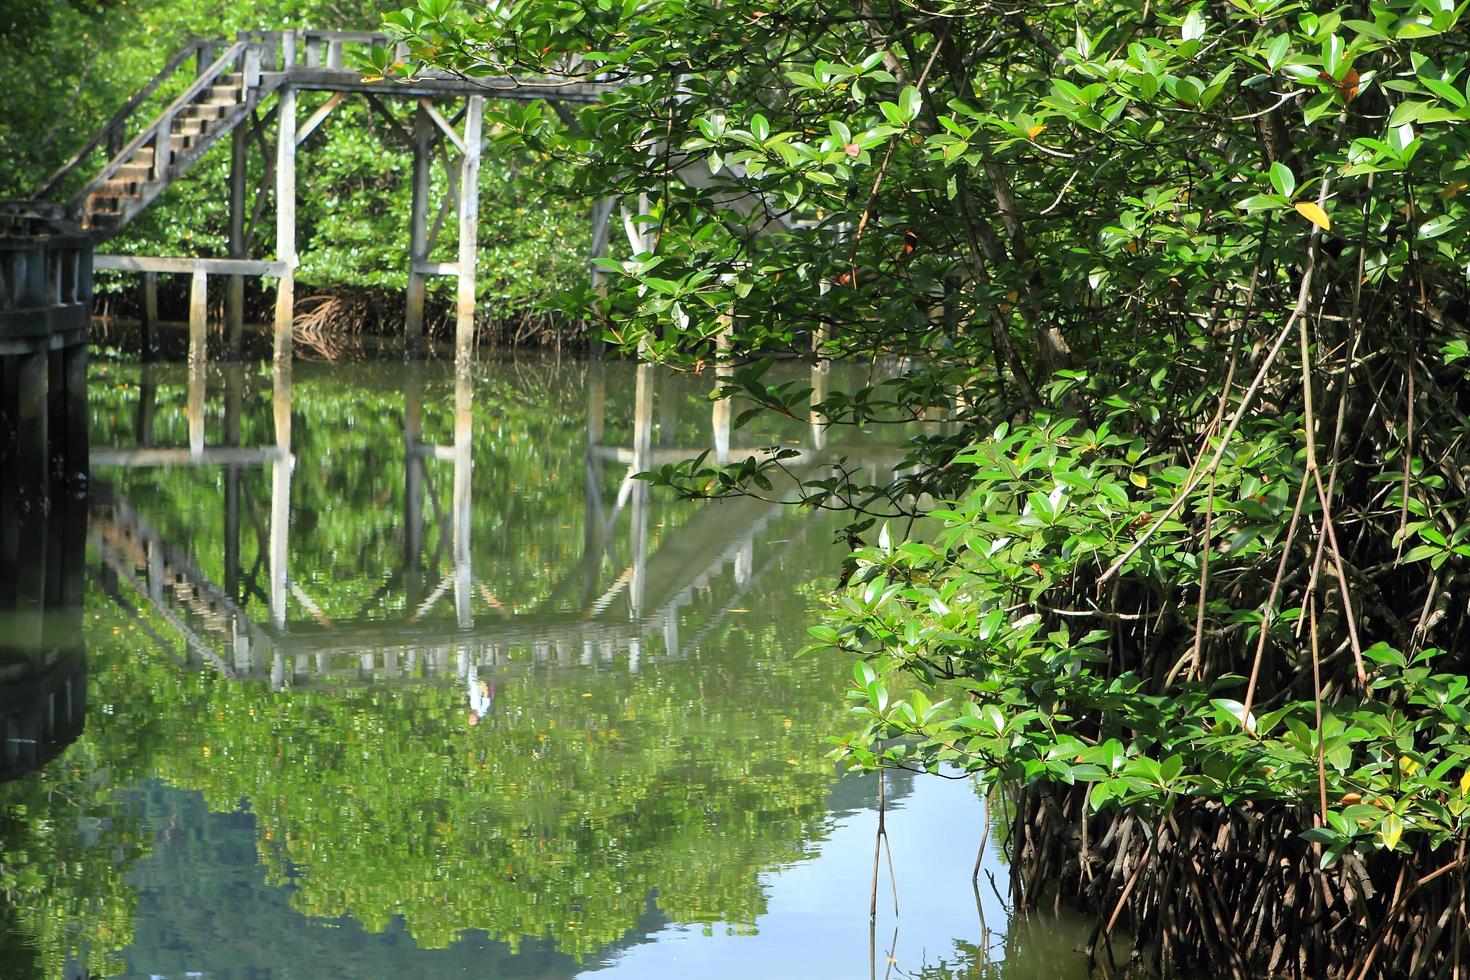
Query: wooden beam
[217,456]
[442,123]
[319,117]
[153,264]
[425,268]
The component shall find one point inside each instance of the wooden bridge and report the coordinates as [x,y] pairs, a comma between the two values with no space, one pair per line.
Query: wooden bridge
[626,605]
[243,90]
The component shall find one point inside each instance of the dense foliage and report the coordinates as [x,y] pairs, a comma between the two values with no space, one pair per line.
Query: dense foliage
[1193,277]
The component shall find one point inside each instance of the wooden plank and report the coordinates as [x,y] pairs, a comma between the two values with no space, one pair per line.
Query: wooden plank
[425,268]
[436,85]
[442,123]
[187,266]
[319,117]
[211,456]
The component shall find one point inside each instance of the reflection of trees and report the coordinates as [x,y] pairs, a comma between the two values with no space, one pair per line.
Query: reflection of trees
[62,895]
[556,817]
[582,795]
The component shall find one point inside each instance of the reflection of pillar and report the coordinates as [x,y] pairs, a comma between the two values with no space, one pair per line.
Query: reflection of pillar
[720,413]
[668,419]
[671,634]
[147,405]
[463,464]
[413,486]
[234,380]
[744,562]
[596,402]
[196,406]
[592,531]
[642,451]
[280,494]
[821,374]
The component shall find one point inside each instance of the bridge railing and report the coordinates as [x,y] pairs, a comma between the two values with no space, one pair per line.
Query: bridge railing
[41,273]
[159,130]
[113,134]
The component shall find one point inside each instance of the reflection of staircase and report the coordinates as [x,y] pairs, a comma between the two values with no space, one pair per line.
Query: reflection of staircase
[215,103]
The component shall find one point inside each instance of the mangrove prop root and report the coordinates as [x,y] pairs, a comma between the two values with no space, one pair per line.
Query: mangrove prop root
[1234,892]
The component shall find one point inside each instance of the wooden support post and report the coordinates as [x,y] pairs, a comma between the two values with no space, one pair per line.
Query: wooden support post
[469,216]
[149,329]
[418,233]
[77,418]
[285,221]
[56,424]
[198,316]
[235,296]
[32,437]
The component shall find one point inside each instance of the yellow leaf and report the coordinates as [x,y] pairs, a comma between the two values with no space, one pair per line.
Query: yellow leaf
[1391,830]
[1465,782]
[1314,214]
[1407,765]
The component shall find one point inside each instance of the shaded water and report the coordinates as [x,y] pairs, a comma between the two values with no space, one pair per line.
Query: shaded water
[389,675]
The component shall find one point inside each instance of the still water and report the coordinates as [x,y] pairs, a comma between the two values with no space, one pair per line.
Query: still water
[381,672]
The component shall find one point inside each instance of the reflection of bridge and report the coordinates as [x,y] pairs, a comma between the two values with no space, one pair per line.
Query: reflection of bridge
[633,615]
[43,707]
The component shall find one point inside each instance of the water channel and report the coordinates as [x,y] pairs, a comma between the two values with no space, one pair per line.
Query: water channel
[377,672]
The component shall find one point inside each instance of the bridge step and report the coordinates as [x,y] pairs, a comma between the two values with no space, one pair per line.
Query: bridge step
[221,95]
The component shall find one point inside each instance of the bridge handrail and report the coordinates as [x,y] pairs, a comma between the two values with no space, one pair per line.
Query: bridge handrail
[114,125]
[160,129]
